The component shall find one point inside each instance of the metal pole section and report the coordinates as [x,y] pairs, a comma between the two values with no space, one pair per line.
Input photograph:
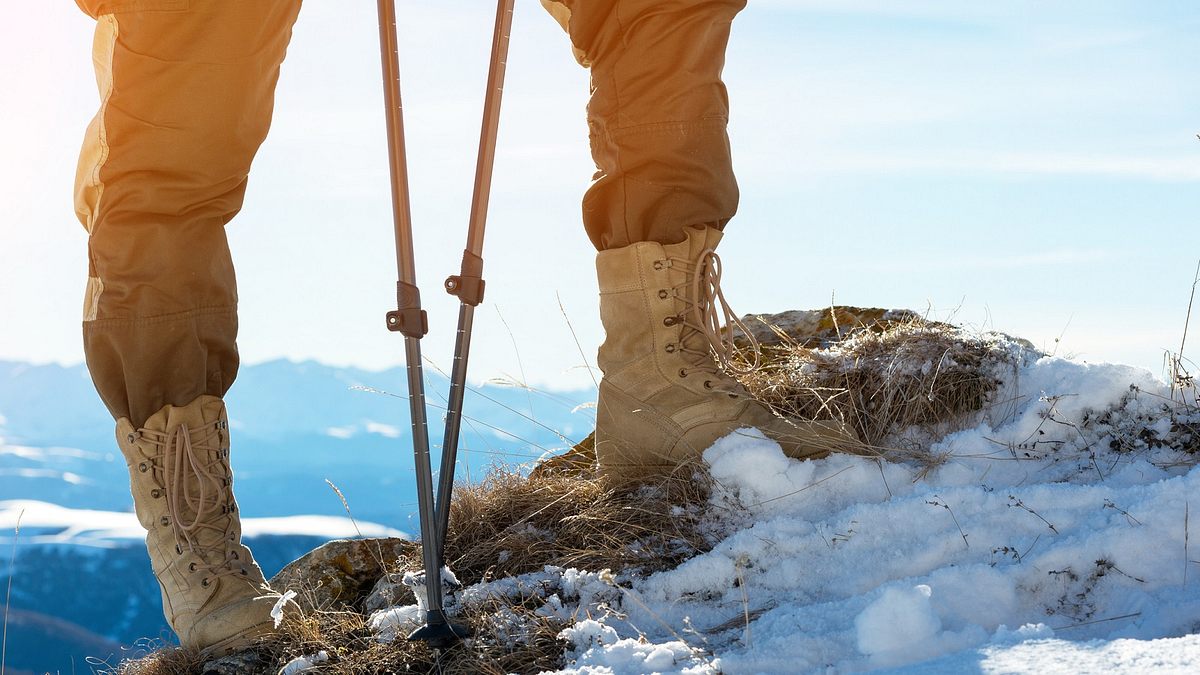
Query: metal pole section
[397,156]
[408,318]
[468,285]
[491,123]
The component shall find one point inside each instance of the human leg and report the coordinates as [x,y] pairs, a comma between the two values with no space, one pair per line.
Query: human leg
[657,116]
[187,89]
[663,190]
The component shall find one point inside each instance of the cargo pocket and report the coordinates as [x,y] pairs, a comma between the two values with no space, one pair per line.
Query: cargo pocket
[95,8]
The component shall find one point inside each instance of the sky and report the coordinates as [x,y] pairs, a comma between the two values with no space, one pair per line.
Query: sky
[1027,167]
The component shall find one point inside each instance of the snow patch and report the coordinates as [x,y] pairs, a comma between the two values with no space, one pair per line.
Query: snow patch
[301,664]
[340,432]
[385,430]
[597,649]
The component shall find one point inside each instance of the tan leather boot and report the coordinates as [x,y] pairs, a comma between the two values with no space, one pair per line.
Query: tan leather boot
[667,395]
[214,594]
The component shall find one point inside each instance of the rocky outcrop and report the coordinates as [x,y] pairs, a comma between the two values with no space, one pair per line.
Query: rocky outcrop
[340,573]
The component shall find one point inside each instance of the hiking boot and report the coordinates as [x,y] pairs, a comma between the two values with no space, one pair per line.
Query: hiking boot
[213,593]
[667,392]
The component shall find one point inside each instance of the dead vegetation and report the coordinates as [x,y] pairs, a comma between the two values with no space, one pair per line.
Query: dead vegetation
[509,524]
[506,525]
[352,649]
[882,378]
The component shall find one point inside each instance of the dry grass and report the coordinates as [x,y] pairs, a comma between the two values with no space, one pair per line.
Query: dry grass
[878,380]
[353,649]
[509,524]
[882,382]
[506,525]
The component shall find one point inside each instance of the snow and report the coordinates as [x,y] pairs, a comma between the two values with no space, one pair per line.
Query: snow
[369,426]
[395,622]
[599,650]
[1063,657]
[302,664]
[65,476]
[45,523]
[340,432]
[385,430]
[280,605]
[1046,537]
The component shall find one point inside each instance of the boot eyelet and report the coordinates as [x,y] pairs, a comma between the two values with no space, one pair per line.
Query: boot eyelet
[658,264]
[683,372]
[132,438]
[204,582]
[670,321]
[662,293]
[708,384]
[143,467]
[178,549]
[156,493]
[191,567]
[165,521]
[235,555]
[245,572]
[670,348]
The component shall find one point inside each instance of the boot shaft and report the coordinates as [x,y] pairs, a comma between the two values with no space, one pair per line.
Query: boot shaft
[182,488]
[654,299]
[667,392]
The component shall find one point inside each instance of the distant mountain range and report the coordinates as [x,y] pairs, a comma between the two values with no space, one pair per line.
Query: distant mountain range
[83,595]
[295,425]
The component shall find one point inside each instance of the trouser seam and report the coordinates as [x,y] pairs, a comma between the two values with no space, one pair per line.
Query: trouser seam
[669,127]
[125,322]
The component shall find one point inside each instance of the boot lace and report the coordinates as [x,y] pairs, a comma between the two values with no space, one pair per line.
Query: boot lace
[707,315]
[192,471]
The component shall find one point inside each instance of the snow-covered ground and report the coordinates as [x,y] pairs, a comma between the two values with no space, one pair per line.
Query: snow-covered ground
[1052,536]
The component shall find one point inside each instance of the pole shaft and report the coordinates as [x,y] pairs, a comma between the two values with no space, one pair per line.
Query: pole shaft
[479,205]
[490,126]
[458,373]
[431,545]
[402,220]
[397,158]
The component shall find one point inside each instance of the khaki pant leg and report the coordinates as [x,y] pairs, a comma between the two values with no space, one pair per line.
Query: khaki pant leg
[187,90]
[657,116]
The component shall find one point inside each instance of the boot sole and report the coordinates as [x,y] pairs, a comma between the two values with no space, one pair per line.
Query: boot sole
[239,641]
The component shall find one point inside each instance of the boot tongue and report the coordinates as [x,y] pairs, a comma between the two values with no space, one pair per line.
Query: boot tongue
[707,317]
[701,239]
[689,256]
[198,487]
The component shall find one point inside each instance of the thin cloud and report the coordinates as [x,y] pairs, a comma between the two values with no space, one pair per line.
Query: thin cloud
[1166,169]
[1057,258]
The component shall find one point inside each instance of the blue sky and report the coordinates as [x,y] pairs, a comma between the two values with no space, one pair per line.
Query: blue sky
[1019,166]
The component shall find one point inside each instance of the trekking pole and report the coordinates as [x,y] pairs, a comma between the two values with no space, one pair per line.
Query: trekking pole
[468,284]
[410,320]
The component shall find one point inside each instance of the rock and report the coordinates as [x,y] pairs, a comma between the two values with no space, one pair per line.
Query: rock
[241,663]
[341,572]
[389,591]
